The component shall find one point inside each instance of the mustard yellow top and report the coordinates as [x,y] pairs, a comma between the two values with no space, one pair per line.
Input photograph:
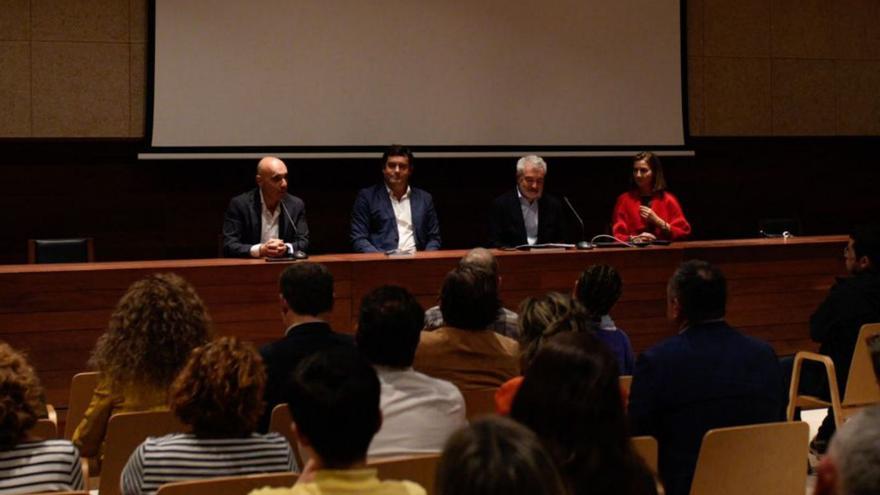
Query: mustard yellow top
[346,482]
[89,434]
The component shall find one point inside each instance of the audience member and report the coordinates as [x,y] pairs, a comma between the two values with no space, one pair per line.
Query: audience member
[155,325]
[542,318]
[598,289]
[707,376]
[465,352]
[306,295]
[852,302]
[571,399]
[851,466]
[496,456]
[394,216]
[334,400]
[418,412]
[506,323]
[29,464]
[219,395]
[874,349]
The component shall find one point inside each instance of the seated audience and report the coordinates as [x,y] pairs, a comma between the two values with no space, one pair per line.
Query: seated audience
[874,349]
[571,399]
[334,400]
[496,456]
[598,289]
[155,325]
[465,352]
[306,296]
[506,323]
[542,318]
[418,412]
[851,466]
[29,464]
[852,302]
[648,211]
[707,376]
[219,396]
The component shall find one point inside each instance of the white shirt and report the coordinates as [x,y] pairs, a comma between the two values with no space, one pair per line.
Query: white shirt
[530,217]
[406,240]
[419,413]
[268,227]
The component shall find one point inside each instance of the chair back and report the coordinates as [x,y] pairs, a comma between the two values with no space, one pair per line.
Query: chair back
[626,382]
[78,250]
[44,429]
[646,447]
[764,459]
[421,469]
[230,485]
[479,402]
[125,432]
[280,422]
[82,386]
[861,384]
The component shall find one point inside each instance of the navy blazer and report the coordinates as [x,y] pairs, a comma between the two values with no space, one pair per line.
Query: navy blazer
[374,226]
[243,224]
[709,376]
[507,228]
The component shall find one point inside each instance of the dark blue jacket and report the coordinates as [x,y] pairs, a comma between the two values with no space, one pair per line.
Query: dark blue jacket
[374,226]
[709,376]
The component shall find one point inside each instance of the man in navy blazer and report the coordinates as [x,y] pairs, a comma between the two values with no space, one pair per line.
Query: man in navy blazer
[525,215]
[708,376]
[393,215]
[266,222]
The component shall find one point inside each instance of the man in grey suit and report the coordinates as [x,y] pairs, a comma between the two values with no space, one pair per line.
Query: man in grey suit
[266,222]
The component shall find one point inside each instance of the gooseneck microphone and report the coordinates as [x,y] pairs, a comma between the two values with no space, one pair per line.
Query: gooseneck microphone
[583,244]
[297,253]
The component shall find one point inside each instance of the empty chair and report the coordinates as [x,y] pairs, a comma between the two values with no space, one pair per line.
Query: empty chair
[231,485]
[765,459]
[78,250]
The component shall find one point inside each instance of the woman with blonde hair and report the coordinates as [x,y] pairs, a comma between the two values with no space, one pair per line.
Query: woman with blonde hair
[29,464]
[152,331]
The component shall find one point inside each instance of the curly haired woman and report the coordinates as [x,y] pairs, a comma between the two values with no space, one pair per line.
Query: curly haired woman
[152,331]
[29,464]
[219,394]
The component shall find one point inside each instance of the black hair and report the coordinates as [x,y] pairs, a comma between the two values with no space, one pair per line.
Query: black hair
[397,150]
[389,326]
[598,289]
[701,291]
[333,397]
[469,298]
[307,288]
[866,242]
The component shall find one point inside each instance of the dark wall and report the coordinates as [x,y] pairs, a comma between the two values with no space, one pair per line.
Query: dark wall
[174,209]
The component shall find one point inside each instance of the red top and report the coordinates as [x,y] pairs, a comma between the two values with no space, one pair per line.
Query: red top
[627,221]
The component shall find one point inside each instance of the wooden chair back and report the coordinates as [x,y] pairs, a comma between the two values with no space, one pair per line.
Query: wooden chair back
[46,428]
[230,485]
[82,385]
[765,459]
[281,422]
[421,469]
[861,383]
[125,432]
[647,448]
[479,402]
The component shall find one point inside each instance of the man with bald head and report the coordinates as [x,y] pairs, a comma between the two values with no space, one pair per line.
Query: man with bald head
[266,222]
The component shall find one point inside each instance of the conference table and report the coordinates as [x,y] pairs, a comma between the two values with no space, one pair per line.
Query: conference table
[55,313]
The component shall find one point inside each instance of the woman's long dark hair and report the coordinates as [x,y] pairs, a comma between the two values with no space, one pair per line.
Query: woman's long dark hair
[571,399]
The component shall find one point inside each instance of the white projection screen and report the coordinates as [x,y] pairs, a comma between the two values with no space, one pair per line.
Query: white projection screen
[440,74]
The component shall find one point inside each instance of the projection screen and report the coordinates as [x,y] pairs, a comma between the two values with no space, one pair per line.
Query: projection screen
[443,74]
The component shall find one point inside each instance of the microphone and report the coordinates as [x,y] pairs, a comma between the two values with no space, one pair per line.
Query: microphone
[297,253]
[583,244]
[646,201]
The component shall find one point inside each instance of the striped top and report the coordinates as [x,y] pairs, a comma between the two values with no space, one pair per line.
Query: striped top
[45,466]
[182,456]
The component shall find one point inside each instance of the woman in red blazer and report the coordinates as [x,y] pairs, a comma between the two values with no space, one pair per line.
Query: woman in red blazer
[648,211]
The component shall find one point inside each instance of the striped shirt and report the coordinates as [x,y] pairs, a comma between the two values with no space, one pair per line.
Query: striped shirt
[45,466]
[182,456]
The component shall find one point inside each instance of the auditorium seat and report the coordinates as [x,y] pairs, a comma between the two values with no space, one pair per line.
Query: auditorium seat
[77,250]
[479,402]
[280,422]
[46,428]
[82,385]
[764,459]
[421,469]
[231,485]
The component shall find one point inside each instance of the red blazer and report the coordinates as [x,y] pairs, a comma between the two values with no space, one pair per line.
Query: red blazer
[627,222]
